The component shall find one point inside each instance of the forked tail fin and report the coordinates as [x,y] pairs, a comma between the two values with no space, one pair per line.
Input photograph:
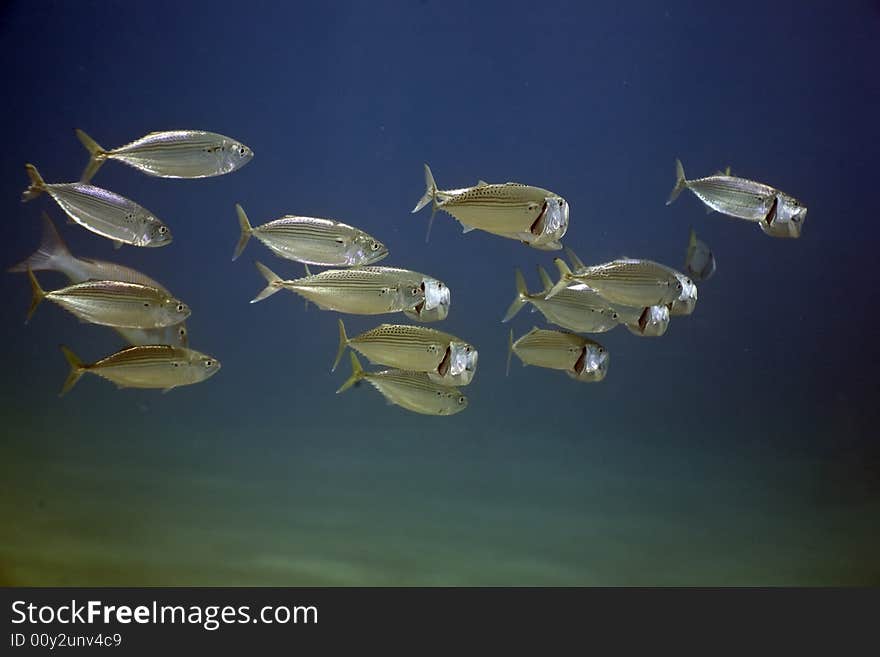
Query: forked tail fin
[97,156]
[76,370]
[37,186]
[520,299]
[273,280]
[680,182]
[246,231]
[51,252]
[357,373]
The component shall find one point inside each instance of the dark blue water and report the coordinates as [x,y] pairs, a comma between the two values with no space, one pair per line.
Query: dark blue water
[739,448]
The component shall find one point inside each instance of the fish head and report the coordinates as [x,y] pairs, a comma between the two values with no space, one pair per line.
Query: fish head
[235,155]
[436,294]
[203,366]
[462,358]
[653,322]
[451,402]
[180,335]
[174,311]
[551,224]
[788,220]
[153,233]
[364,250]
[593,364]
[687,300]
[411,294]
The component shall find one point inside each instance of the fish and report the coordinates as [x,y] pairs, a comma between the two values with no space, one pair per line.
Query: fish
[313,241]
[413,391]
[699,262]
[54,255]
[626,282]
[560,351]
[778,213]
[358,291]
[102,212]
[535,216]
[171,154]
[113,303]
[149,366]
[651,321]
[445,358]
[576,308]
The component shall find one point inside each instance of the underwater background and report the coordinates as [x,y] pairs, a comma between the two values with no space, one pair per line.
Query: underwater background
[741,448]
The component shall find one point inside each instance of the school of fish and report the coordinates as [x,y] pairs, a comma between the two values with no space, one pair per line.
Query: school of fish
[426,366]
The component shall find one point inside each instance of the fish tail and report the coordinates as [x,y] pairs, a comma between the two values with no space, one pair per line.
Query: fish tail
[680,182]
[520,299]
[37,186]
[246,231]
[98,156]
[38,294]
[430,190]
[430,196]
[52,249]
[343,343]
[576,262]
[273,280]
[545,280]
[76,370]
[357,373]
[565,277]
[509,351]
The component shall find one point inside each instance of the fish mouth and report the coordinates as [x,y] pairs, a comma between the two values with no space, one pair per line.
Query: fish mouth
[644,318]
[581,362]
[535,228]
[771,214]
[443,367]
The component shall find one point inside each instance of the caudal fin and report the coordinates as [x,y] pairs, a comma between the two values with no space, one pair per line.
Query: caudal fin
[430,196]
[576,262]
[357,373]
[38,295]
[49,255]
[97,156]
[343,343]
[520,299]
[680,182]
[246,231]
[76,370]
[545,280]
[37,186]
[272,278]
[509,352]
[565,277]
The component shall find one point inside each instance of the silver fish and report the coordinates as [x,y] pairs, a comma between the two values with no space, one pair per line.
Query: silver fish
[447,360]
[359,291]
[560,351]
[700,261]
[53,255]
[102,212]
[532,215]
[150,366]
[413,391]
[114,303]
[313,241]
[779,214]
[687,300]
[576,308]
[172,154]
[626,282]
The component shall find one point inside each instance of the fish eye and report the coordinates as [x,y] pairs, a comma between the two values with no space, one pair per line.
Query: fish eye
[209,363]
[461,400]
[181,332]
[162,230]
[180,307]
[416,291]
[601,350]
[374,246]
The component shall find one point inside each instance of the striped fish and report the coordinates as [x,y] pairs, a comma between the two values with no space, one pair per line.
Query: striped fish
[171,154]
[113,303]
[359,291]
[101,211]
[778,214]
[447,360]
[413,391]
[576,308]
[313,241]
[53,255]
[560,351]
[532,215]
[627,282]
[150,366]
